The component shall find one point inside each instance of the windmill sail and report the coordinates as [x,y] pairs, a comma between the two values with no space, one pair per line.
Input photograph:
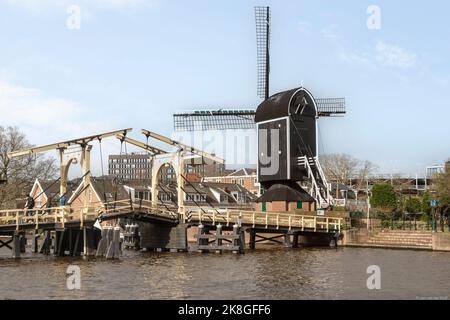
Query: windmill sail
[226,119]
[262,17]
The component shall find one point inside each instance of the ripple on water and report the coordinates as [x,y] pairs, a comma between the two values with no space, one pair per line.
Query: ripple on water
[267,273]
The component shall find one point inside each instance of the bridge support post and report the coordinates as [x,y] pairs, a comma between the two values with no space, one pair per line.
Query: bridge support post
[219,237]
[114,246]
[16,245]
[295,240]
[76,245]
[287,240]
[241,240]
[89,242]
[45,248]
[60,243]
[103,243]
[252,242]
[23,242]
[200,240]
[35,243]
[237,239]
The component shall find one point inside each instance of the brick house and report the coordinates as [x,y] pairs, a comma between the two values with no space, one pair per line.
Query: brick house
[99,191]
[46,193]
[283,198]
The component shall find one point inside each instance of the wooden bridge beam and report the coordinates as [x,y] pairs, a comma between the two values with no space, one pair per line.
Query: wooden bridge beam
[6,244]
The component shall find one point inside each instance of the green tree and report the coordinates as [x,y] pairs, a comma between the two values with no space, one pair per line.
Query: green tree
[383,197]
[442,187]
[413,205]
[426,203]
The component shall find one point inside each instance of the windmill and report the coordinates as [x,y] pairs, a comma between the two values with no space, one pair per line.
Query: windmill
[294,113]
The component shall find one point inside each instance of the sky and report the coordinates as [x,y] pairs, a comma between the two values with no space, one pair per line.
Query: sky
[133,63]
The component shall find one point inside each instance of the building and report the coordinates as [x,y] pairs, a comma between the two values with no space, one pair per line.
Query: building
[433,170]
[284,198]
[207,169]
[137,166]
[46,193]
[244,177]
[196,193]
[132,166]
[99,192]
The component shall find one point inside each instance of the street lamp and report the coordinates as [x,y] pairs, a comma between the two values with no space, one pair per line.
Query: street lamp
[433,205]
[368,203]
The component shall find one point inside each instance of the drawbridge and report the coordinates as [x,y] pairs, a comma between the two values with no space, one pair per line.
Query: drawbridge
[74,229]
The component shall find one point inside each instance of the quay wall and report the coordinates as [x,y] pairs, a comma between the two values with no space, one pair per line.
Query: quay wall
[438,241]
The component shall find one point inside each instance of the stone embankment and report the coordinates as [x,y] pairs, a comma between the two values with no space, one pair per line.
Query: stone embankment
[397,239]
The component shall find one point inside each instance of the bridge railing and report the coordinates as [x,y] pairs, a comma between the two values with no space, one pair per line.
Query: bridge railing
[62,215]
[36,217]
[138,205]
[269,220]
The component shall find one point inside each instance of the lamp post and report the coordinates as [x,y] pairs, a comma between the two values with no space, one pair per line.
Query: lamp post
[368,203]
[433,205]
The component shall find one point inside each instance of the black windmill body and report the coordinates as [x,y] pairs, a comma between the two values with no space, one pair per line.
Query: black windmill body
[287,143]
[286,124]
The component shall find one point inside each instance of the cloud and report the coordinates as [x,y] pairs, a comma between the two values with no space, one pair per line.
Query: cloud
[45,5]
[331,32]
[356,58]
[45,119]
[394,56]
[304,27]
[381,55]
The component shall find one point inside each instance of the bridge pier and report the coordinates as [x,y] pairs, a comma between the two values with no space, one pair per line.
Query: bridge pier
[70,241]
[90,240]
[60,243]
[16,244]
[114,245]
[155,236]
[47,243]
[295,240]
[218,241]
[131,239]
[35,241]
[287,240]
[252,242]
[103,243]
[318,239]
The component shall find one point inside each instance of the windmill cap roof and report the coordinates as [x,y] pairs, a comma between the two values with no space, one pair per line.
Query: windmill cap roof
[285,103]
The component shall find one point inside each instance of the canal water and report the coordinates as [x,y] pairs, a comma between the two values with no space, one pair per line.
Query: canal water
[267,273]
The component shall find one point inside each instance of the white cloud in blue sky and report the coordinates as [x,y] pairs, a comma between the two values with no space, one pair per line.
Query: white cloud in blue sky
[42,5]
[384,55]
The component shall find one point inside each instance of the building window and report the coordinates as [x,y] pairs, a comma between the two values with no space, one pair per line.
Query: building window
[264,208]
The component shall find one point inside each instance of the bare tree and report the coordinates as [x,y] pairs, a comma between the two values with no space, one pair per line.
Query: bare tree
[339,167]
[343,168]
[19,173]
[365,170]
